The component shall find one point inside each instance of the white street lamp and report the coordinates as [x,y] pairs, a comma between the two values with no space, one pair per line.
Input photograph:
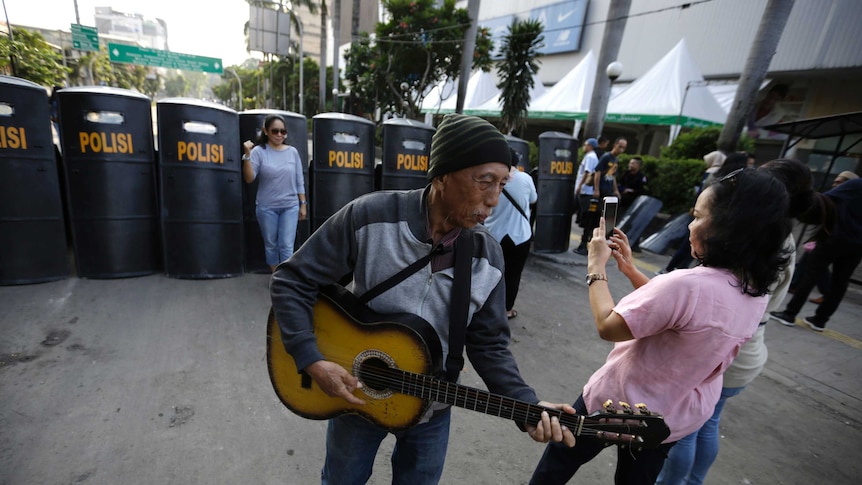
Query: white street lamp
[614,70]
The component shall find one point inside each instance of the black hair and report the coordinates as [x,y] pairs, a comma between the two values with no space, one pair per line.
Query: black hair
[734,161]
[263,140]
[747,227]
[602,139]
[796,177]
[806,205]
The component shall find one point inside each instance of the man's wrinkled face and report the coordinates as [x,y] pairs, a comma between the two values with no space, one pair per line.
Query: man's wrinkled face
[468,195]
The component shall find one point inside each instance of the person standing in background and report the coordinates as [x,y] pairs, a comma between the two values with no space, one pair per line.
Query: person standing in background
[584,190]
[509,223]
[605,178]
[281,201]
[842,249]
[603,146]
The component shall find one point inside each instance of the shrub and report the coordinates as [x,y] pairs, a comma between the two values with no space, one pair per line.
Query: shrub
[671,181]
[698,142]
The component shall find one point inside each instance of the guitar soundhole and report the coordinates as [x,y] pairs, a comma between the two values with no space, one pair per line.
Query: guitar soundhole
[375,369]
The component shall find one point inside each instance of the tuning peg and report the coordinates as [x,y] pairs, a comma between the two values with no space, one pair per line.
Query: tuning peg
[626,407]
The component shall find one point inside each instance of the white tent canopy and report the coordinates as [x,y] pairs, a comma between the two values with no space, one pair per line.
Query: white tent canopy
[494,106]
[569,99]
[673,92]
[480,88]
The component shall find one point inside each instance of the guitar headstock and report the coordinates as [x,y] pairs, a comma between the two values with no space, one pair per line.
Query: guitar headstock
[638,427]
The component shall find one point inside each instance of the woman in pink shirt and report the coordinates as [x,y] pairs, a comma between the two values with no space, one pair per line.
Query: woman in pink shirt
[677,333]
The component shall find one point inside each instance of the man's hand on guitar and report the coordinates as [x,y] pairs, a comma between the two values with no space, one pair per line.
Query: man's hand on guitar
[550,429]
[335,381]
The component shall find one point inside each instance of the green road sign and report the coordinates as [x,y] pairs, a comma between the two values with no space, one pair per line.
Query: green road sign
[85,38]
[142,56]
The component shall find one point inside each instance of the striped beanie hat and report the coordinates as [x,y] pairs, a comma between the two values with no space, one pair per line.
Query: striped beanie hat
[463,141]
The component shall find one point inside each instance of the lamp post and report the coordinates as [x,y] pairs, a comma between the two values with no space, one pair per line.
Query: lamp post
[675,129]
[614,71]
[601,97]
[239,81]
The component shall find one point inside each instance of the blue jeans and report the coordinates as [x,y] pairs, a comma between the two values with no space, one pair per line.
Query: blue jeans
[278,228]
[352,443]
[689,461]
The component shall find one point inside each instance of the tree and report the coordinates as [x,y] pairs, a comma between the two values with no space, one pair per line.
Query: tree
[152,84]
[762,49]
[176,86]
[618,12]
[35,59]
[520,52]
[418,46]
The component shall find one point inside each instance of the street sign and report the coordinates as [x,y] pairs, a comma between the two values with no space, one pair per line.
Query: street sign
[85,38]
[142,56]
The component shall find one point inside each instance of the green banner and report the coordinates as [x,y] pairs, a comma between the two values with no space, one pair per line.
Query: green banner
[142,56]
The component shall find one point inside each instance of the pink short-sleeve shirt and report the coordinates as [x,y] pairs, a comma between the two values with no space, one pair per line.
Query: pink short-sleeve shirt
[688,326]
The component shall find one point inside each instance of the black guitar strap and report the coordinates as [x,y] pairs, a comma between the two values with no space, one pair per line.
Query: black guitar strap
[460,300]
[459,305]
[402,275]
[517,206]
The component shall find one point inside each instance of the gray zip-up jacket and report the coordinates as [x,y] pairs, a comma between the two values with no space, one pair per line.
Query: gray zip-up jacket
[376,236]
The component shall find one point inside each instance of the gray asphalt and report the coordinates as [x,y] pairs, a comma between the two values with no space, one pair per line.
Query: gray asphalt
[157,380]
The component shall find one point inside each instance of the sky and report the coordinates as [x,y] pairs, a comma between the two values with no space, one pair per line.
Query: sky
[211,28]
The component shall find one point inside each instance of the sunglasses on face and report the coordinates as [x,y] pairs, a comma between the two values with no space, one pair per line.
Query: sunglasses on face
[277,131]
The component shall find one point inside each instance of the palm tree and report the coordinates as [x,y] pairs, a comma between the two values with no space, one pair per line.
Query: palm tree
[517,71]
[618,12]
[762,49]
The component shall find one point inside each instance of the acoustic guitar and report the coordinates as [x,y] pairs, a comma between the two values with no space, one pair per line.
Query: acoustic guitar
[397,358]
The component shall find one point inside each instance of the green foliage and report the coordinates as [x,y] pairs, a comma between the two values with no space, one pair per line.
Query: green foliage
[672,181]
[285,76]
[700,141]
[152,84]
[520,51]
[534,155]
[420,45]
[35,59]
[362,80]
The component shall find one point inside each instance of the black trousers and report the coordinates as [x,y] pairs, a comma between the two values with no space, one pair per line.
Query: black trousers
[559,462]
[515,257]
[844,257]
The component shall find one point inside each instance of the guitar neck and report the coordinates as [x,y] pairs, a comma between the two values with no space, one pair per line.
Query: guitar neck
[485,402]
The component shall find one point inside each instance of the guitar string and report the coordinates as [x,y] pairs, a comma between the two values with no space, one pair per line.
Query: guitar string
[399,381]
[396,379]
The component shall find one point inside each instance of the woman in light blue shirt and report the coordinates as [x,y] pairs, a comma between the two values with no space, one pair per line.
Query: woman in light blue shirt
[280,202]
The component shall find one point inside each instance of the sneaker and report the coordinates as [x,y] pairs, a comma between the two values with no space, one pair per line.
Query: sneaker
[814,323]
[580,250]
[662,271]
[784,318]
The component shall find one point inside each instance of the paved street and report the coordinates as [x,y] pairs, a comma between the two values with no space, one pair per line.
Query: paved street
[157,380]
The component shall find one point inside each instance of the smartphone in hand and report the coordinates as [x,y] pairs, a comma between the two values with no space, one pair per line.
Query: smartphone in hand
[609,214]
